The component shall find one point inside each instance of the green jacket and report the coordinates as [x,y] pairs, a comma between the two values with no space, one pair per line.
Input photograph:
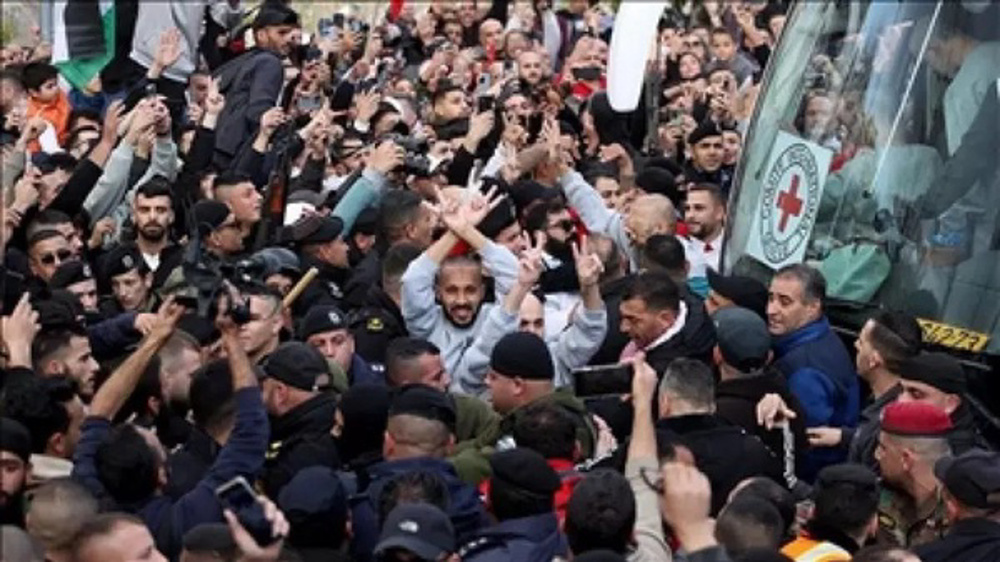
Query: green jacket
[472,460]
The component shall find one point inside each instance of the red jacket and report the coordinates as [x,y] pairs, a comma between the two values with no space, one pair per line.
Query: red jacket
[567,474]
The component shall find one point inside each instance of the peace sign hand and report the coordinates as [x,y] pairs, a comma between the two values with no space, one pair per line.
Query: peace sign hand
[588,265]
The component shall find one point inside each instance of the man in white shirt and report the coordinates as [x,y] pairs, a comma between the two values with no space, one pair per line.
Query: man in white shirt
[705,216]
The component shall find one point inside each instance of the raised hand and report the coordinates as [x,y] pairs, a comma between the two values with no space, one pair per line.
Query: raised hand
[367,105]
[19,331]
[169,49]
[588,265]
[386,157]
[112,119]
[480,205]
[480,126]
[529,269]
[271,120]
[34,128]
[26,189]
[214,100]
[644,380]
[772,410]
[687,496]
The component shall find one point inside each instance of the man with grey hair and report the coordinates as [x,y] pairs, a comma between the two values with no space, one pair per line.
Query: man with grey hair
[724,452]
[819,370]
[59,508]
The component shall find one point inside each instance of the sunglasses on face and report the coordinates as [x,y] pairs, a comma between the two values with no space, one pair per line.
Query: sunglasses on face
[566,225]
[55,257]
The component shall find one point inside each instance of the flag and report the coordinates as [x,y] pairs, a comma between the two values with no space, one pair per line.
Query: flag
[83,38]
[395,8]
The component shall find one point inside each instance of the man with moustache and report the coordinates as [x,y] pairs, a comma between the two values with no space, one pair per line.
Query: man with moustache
[153,217]
[15,465]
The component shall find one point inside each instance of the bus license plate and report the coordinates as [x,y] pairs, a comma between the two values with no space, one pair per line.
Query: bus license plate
[953,336]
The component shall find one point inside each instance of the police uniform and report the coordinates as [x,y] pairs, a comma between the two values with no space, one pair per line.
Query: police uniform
[375,325]
[973,482]
[328,286]
[118,261]
[901,522]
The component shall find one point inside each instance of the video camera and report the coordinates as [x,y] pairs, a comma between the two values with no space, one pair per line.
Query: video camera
[416,162]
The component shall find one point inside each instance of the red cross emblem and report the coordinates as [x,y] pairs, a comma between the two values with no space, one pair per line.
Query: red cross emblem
[789,203]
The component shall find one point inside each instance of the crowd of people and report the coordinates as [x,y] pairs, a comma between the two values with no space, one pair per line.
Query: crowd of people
[283,294]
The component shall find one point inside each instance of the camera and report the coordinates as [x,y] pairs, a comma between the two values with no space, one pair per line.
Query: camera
[415,161]
[203,280]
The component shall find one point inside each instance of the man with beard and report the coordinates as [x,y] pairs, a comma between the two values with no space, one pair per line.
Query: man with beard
[153,217]
[704,214]
[66,352]
[442,296]
[15,465]
[179,358]
[301,415]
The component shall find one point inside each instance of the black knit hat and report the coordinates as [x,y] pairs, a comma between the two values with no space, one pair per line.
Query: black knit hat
[525,470]
[15,438]
[940,370]
[522,355]
[705,129]
[209,215]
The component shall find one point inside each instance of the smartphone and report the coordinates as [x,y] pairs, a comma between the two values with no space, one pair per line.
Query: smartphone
[238,497]
[485,103]
[338,20]
[587,74]
[483,82]
[603,380]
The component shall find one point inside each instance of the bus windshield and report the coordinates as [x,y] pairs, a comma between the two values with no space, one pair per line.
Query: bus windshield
[874,154]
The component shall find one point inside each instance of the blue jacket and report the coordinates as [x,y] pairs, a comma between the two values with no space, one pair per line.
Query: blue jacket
[464,506]
[168,519]
[528,539]
[822,376]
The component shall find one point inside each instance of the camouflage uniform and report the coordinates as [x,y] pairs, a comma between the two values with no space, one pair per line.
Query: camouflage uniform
[900,525]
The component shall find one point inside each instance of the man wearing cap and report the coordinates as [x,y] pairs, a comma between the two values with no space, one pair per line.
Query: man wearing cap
[315,504]
[15,463]
[845,515]
[521,373]
[280,268]
[77,278]
[741,355]
[301,414]
[819,370]
[130,280]
[972,496]
[735,290]
[325,328]
[416,532]
[419,436]
[522,488]
[939,379]
[319,244]
[252,82]
[911,507]
[704,152]
[217,228]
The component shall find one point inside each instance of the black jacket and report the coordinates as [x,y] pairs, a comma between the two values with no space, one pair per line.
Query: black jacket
[725,453]
[366,274]
[300,439]
[614,341]
[968,540]
[251,84]
[326,289]
[736,402]
[188,465]
[376,324]
[695,340]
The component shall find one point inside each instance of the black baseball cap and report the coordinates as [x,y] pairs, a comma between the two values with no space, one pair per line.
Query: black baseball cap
[972,478]
[743,291]
[321,319]
[298,365]
[419,528]
[742,337]
[315,229]
[71,273]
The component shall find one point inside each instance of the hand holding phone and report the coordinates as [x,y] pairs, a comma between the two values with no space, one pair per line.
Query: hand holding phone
[603,380]
[238,497]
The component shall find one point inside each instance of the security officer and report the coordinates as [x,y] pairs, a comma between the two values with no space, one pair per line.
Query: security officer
[325,328]
[318,241]
[126,276]
[972,494]
[301,414]
[914,436]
